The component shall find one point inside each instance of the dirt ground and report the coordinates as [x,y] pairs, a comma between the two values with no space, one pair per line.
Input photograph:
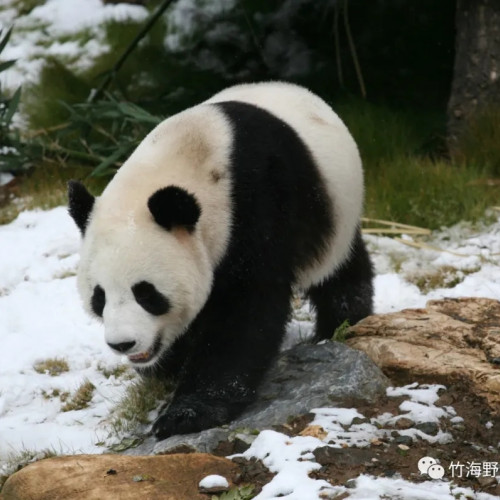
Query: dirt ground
[474,443]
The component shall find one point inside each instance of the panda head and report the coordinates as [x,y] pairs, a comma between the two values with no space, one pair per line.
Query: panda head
[143,269]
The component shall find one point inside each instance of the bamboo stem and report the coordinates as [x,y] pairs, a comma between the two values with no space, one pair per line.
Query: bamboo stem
[97,93]
[352,48]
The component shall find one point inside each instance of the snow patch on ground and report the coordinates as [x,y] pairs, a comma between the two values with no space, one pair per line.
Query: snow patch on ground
[213,481]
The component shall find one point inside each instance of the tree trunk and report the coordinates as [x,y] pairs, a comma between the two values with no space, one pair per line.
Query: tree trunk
[476,75]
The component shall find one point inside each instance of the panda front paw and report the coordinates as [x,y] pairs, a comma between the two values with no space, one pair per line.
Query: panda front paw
[190,415]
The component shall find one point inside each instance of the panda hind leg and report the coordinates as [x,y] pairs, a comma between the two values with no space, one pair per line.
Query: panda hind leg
[345,295]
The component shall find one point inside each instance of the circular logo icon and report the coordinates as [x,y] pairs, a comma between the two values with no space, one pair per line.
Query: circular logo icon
[435,471]
[424,464]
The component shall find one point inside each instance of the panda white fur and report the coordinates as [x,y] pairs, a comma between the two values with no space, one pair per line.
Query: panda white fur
[194,249]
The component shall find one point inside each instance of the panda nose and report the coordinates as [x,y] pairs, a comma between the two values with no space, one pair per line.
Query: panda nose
[122,346]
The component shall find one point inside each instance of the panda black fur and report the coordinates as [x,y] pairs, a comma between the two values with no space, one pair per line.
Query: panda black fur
[194,249]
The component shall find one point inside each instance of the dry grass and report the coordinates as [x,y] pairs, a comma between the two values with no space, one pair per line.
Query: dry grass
[443,277]
[141,398]
[52,366]
[44,188]
[81,398]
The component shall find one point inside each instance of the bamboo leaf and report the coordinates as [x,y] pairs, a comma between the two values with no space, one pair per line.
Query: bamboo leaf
[7,64]
[138,113]
[5,39]
[104,168]
[12,108]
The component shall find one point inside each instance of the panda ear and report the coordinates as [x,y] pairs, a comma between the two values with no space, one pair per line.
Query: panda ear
[173,206]
[81,203]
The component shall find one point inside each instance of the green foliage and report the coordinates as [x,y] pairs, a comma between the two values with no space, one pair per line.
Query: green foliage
[43,103]
[479,143]
[403,182]
[102,134]
[340,333]
[426,193]
[237,493]
[14,154]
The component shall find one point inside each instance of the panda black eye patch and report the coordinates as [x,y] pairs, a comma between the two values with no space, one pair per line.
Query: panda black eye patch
[98,301]
[150,299]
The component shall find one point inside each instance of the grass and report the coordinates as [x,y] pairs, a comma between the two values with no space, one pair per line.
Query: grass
[142,397]
[444,277]
[117,371]
[479,143]
[52,367]
[407,177]
[81,397]
[426,193]
[340,333]
[45,187]
[56,393]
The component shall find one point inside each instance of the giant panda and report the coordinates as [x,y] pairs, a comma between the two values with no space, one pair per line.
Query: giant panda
[192,253]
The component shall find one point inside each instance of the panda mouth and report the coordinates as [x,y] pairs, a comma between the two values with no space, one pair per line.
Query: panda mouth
[146,356]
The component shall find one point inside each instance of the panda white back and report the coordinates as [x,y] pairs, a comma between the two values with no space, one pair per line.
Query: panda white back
[333,149]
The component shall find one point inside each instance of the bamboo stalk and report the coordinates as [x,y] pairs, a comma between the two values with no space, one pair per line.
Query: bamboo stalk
[391,230]
[96,94]
[352,48]
[425,246]
[383,222]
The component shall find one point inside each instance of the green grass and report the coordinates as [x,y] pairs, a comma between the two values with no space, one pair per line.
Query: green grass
[479,143]
[426,193]
[407,178]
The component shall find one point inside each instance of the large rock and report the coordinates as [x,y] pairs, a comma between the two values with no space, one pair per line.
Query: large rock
[304,377]
[110,477]
[451,340]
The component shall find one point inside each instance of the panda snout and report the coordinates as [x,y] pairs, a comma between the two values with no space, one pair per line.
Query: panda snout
[122,347]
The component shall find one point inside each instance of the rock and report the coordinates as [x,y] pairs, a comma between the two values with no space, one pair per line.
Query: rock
[404,423]
[405,440]
[430,428]
[486,481]
[94,477]
[314,431]
[350,483]
[304,377]
[451,340]
[326,455]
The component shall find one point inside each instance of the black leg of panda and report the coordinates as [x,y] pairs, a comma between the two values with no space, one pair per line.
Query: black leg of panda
[229,360]
[346,295]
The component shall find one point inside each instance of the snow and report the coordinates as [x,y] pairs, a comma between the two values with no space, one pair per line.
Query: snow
[47,30]
[41,317]
[213,481]
[291,458]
